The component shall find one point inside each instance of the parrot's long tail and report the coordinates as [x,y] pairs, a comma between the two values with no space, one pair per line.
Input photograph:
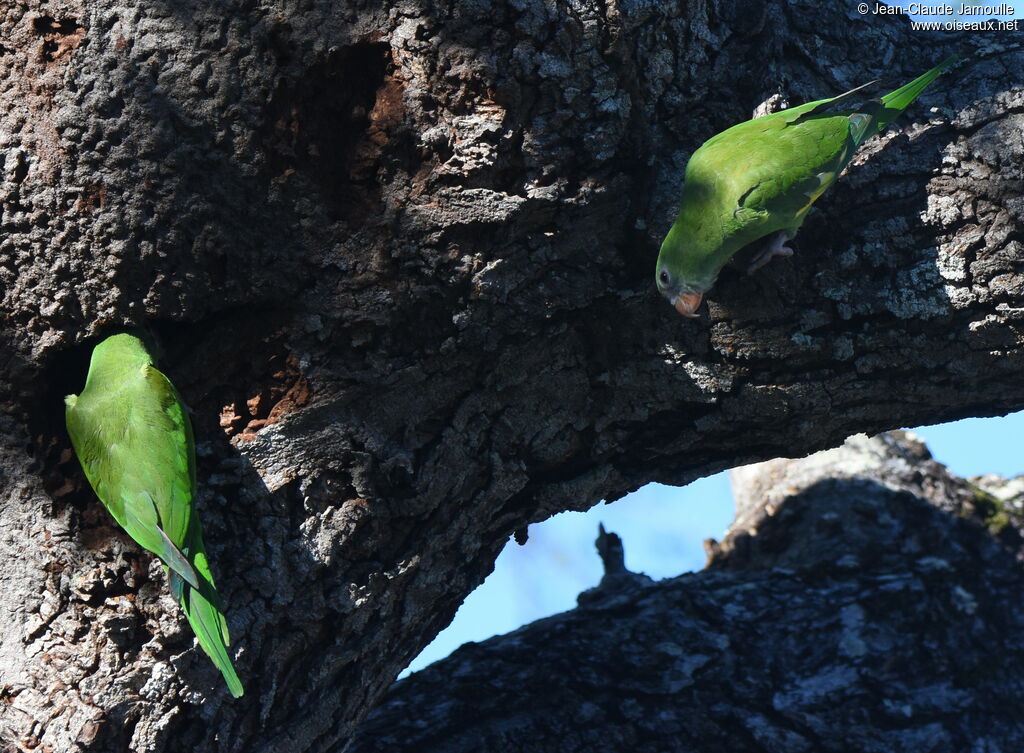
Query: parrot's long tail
[202,608]
[897,101]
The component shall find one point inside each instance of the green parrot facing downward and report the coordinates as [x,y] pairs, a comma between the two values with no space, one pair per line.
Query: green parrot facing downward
[133,437]
[761,177]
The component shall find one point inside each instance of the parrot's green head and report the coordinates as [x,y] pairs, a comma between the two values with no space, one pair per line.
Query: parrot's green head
[686,269]
[118,354]
[126,349]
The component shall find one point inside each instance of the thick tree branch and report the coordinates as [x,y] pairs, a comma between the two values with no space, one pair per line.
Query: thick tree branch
[865,599]
[400,256]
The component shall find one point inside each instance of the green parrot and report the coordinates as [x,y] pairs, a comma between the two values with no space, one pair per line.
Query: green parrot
[133,437]
[761,177]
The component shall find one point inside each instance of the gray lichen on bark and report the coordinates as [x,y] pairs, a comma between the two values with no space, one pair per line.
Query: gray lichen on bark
[399,256]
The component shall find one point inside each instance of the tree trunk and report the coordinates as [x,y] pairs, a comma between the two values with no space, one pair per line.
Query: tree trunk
[400,258]
[865,599]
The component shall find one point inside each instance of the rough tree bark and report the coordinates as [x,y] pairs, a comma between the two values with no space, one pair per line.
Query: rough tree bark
[399,255]
[865,599]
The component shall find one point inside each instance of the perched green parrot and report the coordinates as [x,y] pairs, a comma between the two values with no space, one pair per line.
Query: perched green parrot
[761,177]
[133,437]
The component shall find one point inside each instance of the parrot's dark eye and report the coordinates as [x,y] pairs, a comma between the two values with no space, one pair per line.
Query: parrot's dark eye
[663,278]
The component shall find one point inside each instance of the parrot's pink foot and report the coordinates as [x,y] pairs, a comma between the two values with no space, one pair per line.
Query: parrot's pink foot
[777,247]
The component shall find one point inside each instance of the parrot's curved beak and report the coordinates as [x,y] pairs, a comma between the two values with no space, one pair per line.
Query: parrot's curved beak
[687,303]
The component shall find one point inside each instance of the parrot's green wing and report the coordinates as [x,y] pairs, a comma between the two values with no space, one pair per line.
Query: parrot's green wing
[767,172]
[135,445]
[759,177]
[203,610]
